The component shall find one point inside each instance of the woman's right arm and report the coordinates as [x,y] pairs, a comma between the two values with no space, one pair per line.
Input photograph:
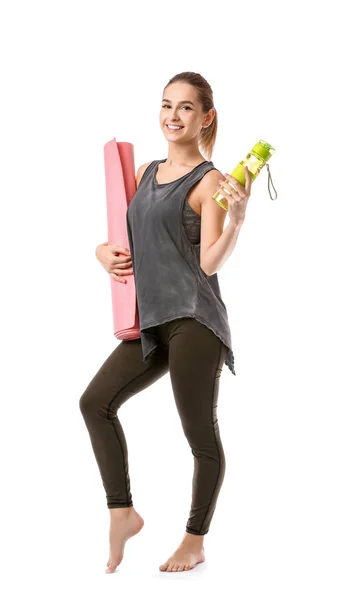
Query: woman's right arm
[116,260]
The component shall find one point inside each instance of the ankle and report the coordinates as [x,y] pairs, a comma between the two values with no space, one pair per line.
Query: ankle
[193,540]
[119,513]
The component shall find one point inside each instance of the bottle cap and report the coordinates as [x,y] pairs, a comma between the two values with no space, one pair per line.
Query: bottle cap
[263,150]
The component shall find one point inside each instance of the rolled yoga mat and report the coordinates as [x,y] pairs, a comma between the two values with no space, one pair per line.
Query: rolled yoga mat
[120,189]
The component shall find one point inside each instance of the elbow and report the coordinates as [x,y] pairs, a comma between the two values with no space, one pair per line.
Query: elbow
[203,269]
[207,271]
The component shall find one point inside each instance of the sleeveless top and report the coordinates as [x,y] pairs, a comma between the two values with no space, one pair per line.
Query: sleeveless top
[169,280]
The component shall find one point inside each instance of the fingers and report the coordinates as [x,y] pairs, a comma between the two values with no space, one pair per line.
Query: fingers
[123,271]
[123,262]
[118,275]
[117,278]
[228,194]
[239,189]
[242,190]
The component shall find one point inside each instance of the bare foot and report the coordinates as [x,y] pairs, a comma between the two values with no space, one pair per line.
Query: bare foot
[188,554]
[124,523]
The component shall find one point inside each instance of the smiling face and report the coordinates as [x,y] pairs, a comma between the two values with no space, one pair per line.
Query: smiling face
[180,107]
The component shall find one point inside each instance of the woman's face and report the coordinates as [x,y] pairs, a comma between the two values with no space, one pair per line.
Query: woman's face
[175,111]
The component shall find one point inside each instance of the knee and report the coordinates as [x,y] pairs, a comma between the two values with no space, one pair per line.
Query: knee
[94,404]
[89,403]
[85,403]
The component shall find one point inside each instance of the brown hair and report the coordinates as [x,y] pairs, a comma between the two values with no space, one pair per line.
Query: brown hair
[207,136]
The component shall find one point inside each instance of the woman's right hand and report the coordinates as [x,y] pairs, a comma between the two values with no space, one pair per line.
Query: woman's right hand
[116,260]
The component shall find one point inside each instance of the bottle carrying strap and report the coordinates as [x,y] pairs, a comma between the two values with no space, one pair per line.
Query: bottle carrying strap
[270,181]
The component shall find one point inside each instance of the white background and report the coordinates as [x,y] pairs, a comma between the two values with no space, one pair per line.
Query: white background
[74,75]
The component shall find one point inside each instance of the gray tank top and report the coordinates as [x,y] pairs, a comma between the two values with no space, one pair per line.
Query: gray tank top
[169,280]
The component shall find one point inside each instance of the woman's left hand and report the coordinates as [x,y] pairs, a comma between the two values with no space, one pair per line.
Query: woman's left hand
[237,200]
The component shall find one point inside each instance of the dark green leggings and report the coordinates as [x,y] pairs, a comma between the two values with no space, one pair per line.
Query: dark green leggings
[194,355]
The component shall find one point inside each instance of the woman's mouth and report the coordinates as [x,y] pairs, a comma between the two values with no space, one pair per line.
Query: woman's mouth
[174,129]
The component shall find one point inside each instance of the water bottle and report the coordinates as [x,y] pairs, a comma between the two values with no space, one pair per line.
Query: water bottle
[255,160]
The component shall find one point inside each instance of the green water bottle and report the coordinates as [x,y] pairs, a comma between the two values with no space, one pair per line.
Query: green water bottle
[255,160]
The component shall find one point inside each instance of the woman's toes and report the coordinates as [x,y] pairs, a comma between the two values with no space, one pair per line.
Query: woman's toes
[109,569]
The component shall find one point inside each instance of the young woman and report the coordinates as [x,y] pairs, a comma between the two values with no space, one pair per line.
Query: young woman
[177,245]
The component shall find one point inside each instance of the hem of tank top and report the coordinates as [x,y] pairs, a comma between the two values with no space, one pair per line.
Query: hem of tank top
[226,360]
[200,320]
[230,365]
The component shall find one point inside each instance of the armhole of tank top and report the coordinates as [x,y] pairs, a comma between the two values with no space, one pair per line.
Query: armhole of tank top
[147,170]
[185,203]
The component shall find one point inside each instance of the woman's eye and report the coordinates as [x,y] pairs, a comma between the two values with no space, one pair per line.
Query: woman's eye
[168,105]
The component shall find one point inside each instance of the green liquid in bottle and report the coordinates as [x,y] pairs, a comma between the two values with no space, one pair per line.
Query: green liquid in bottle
[255,161]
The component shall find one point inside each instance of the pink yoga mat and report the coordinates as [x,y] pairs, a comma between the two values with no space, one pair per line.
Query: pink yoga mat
[120,189]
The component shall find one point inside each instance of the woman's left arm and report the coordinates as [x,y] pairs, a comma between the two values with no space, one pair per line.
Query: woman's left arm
[218,244]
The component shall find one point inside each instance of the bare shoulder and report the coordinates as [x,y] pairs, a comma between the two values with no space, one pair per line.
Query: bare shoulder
[208,184]
[141,171]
